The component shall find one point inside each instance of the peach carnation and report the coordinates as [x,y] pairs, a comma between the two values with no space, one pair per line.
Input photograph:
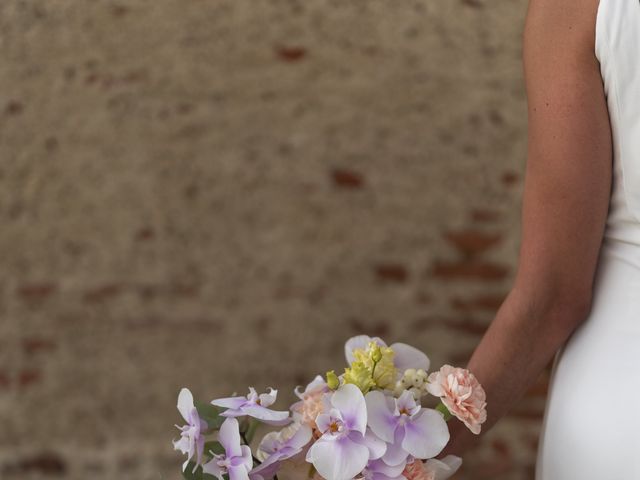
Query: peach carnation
[461,393]
[434,469]
[312,402]
[417,471]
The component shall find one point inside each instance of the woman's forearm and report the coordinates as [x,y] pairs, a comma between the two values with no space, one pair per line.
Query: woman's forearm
[520,342]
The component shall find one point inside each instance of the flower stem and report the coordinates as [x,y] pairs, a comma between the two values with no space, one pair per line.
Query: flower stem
[442,408]
[251,431]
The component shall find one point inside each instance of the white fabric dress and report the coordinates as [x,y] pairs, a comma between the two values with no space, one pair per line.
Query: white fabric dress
[591,427]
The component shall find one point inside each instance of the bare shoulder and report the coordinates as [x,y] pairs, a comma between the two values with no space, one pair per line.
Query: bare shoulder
[566,26]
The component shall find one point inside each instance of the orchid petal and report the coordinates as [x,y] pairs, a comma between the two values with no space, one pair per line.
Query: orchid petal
[426,434]
[378,466]
[199,449]
[407,402]
[270,417]
[359,342]
[266,470]
[212,468]
[380,415]
[246,458]
[445,467]
[340,459]
[377,447]
[395,454]
[232,403]
[301,437]
[238,472]
[184,445]
[267,399]
[350,401]
[406,356]
[185,403]
[229,437]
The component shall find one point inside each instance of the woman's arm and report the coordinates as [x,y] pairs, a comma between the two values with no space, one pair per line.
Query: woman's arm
[565,204]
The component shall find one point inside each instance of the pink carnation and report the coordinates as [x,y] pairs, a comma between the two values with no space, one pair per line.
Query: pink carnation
[461,393]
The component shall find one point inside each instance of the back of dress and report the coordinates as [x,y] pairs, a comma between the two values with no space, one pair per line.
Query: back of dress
[590,428]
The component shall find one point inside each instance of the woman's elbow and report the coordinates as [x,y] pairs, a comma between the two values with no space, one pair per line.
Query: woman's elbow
[561,309]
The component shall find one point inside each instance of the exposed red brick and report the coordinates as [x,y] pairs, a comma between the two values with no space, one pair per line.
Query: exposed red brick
[102,293]
[184,108]
[29,377]
[14,108]
[91,78]
[36,291]
[135,76]
[46,463]
[391,272]
[527,413]
[185,289]
[119,10]
[496,117]
[484,216]
[145,233]
[471,242]
[51,144]
[493,468]
[452,271]
[501,447]
[490,303]
[5,381]
[532,441]
[35,345]
[466,326]
[423,298]
[346,178]
[510,178]
[291,54]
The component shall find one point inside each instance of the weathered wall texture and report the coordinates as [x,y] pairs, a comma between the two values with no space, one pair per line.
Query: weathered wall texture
[217,193]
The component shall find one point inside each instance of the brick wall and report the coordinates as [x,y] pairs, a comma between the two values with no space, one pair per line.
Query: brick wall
[216,194]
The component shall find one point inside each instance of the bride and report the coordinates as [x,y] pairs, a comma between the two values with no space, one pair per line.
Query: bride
[576,296]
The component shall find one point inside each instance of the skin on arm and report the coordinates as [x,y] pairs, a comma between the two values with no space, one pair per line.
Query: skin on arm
[565,205]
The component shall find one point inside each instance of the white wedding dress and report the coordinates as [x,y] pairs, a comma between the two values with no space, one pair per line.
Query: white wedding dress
[591,427]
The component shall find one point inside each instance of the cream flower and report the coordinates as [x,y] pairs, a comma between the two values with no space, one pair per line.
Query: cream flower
[461,393]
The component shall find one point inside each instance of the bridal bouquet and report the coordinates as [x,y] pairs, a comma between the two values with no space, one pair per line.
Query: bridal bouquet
[367,423]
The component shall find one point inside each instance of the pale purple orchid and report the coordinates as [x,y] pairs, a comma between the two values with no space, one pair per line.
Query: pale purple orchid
[277,447]
[237,461]
[406,426]
[346,445]
[405,356]
[378,470]
[255,406]
[191,439]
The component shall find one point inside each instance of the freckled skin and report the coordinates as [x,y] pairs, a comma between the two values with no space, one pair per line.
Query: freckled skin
[565,204]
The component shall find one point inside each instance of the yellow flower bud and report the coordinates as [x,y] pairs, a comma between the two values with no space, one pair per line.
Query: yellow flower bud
[333,382]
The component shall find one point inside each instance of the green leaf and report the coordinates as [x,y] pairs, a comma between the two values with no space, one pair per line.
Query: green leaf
[213,446]
[210,414]
[188,474]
